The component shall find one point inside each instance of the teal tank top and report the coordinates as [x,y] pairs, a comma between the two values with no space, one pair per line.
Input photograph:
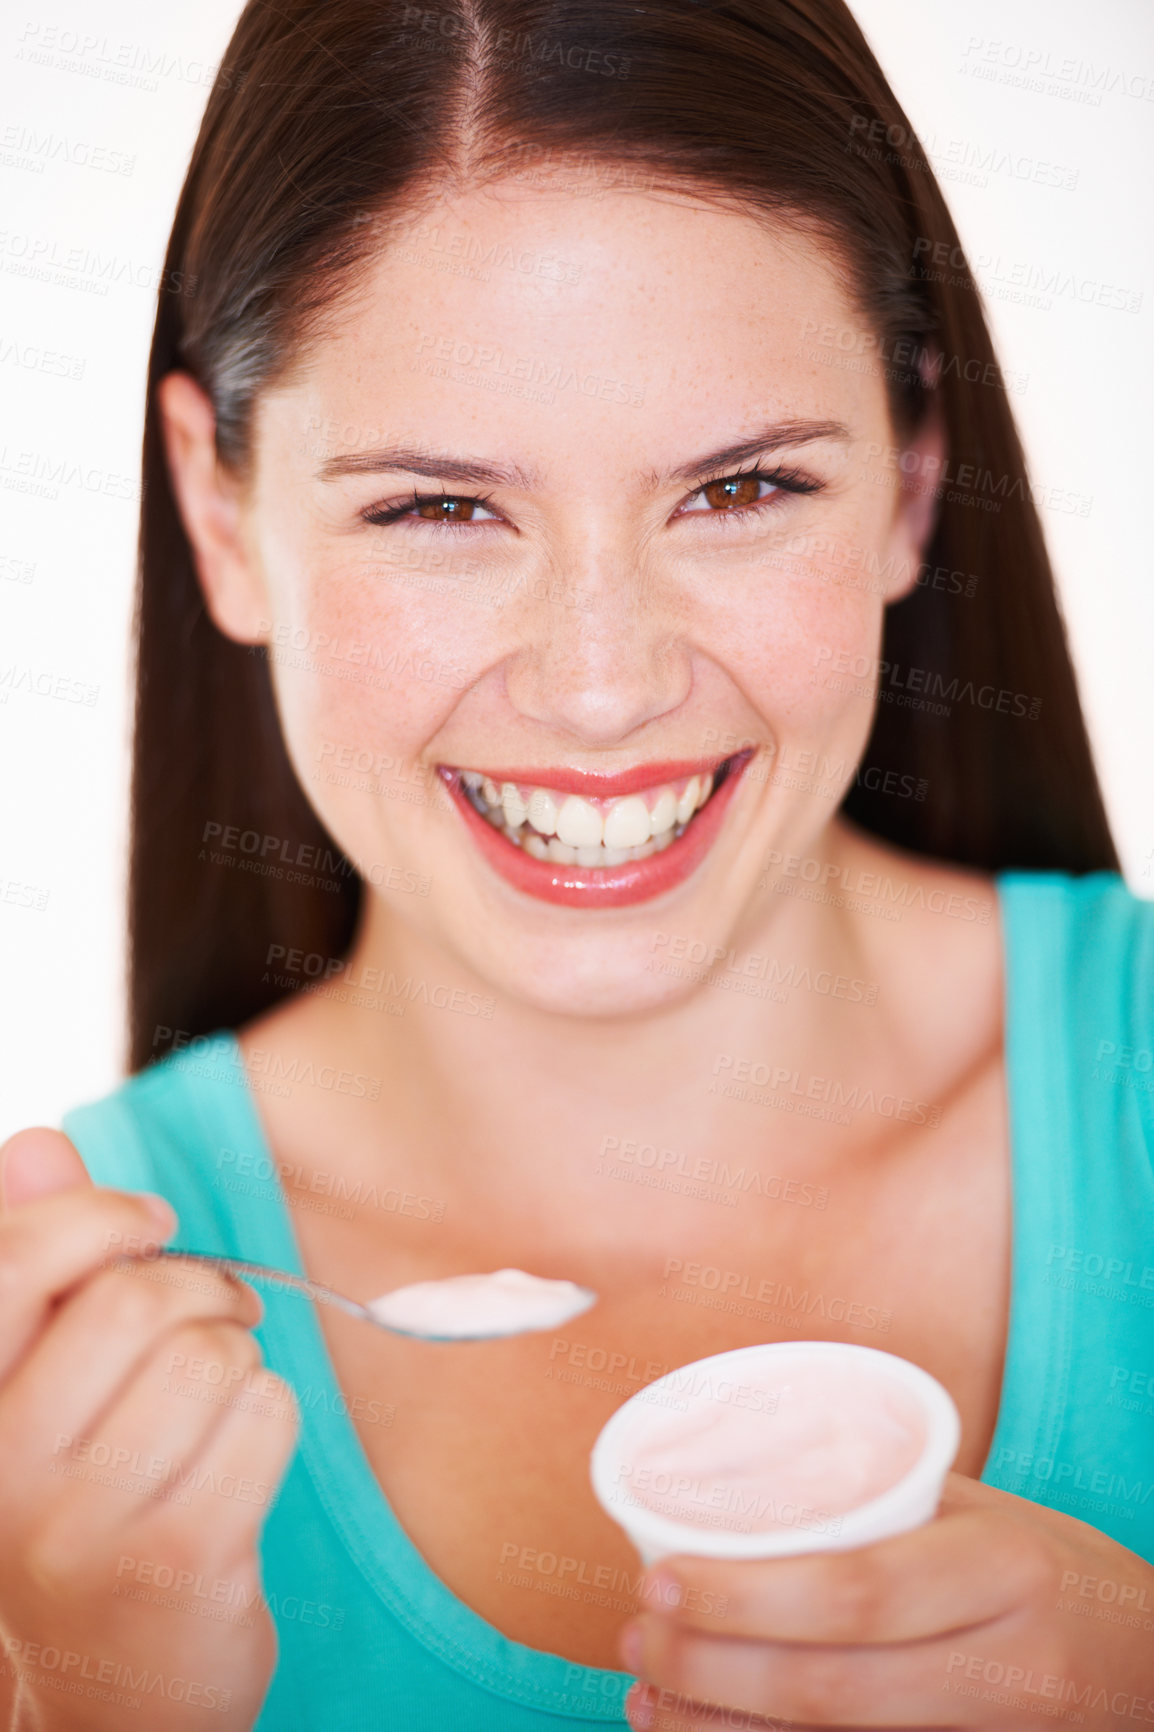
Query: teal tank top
[370,1636]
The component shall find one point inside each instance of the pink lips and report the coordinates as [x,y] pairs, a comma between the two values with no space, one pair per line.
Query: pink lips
[603,886]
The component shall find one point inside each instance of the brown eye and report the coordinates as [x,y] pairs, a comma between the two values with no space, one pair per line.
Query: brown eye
[447,510]
[733,490]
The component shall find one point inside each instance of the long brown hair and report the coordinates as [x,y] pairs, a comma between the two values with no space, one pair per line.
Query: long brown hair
[329,113]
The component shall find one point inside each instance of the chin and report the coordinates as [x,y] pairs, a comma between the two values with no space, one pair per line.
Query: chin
[582,976]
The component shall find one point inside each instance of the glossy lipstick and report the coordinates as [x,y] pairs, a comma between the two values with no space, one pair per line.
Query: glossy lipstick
[635,881]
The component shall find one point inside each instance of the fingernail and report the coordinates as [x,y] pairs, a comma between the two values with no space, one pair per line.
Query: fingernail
[629,1647]
[639,1710]
[161,1211]
[659,1585]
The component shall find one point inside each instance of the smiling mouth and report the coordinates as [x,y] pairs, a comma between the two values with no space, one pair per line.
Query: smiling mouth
[573,830]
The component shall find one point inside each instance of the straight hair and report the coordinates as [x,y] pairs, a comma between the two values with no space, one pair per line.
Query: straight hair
[333,122]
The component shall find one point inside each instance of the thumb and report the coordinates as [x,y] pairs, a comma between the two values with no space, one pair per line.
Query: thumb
[36,1163]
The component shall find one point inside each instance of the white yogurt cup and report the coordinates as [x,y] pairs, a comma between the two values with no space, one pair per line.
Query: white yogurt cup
[694,1510]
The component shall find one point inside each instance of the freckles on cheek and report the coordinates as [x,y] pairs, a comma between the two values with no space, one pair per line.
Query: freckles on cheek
[364,669]
[787,645]
[351,695]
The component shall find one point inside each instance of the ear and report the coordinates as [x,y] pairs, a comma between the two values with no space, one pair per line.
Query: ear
[922,466]
[210,501]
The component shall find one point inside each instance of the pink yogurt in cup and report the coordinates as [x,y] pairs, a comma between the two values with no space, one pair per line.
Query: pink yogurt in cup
[768,1451]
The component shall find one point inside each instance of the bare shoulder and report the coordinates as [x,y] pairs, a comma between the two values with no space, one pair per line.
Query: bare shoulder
[932,932]
[285,1025]
[294,1048]
[915,884]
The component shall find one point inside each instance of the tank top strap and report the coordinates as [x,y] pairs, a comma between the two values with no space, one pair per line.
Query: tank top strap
[1075,1430]
[187,1127]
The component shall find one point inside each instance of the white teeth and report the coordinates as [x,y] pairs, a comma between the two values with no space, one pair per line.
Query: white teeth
[627,823]
[515,809]
[579,823]
[687,804]
[543,812]
[664,814]
[570,831]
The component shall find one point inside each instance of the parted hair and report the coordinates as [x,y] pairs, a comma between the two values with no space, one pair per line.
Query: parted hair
[331,119]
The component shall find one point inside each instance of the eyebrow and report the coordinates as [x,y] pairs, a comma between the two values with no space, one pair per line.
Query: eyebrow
[472,471]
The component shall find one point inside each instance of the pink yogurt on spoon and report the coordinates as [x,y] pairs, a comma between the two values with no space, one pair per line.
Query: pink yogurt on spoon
[472,1307]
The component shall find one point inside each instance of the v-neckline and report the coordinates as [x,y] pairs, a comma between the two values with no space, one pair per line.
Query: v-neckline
[356,1502]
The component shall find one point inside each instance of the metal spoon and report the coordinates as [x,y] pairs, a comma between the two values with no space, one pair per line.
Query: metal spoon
[353,1308]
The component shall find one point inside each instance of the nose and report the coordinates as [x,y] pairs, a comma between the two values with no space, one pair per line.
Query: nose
[601,656]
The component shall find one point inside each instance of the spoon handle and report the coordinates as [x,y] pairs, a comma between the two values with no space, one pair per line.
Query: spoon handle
[281,1277]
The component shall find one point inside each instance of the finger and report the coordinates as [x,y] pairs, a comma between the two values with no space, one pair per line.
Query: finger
[963,1568]
[98,1339]
[232,1482]
[90,1486]
[37,1163]
[904,1685]
[49,1244]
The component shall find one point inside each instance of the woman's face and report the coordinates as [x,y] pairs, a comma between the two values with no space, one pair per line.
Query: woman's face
[612,600]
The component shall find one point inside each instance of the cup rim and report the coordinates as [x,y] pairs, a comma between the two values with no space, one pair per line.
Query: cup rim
[660,1534]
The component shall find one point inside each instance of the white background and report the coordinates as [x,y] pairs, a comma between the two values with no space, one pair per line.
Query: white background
[70,129]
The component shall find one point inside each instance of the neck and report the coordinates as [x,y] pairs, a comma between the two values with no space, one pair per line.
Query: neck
[503,1099]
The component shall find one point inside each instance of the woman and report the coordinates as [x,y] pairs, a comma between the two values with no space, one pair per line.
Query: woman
[611,799]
